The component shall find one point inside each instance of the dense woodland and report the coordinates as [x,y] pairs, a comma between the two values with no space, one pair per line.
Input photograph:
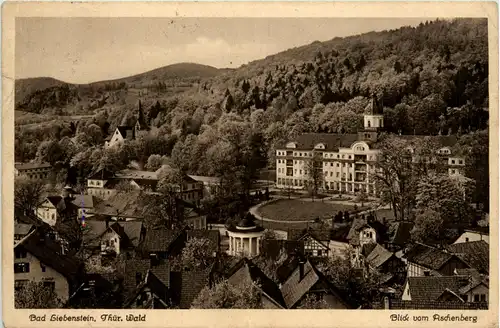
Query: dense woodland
[432,79]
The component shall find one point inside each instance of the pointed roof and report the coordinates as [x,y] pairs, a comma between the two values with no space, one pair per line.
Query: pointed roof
[430,288]
[374,107]
[246,270]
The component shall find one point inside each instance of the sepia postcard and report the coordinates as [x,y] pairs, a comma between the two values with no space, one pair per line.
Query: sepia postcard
[267,164]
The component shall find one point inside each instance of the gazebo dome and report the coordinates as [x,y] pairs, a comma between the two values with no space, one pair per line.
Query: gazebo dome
[246,224]
[247,221]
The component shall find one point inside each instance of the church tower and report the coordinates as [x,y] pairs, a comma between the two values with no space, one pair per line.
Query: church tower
[373,120]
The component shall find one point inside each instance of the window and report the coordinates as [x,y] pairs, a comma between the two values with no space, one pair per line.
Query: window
[466,239]
[19,284]
[338,164]
[338,174]
[452,161]
[460,161]
[331,164]
[20,253]
[300,171]
[51,285]
[43,267]
[319,252]
[483,298]
[21,267]
[91,182]
[476,298]
[53,216]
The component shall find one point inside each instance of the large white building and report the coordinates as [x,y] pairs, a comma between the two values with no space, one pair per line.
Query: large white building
[348,159]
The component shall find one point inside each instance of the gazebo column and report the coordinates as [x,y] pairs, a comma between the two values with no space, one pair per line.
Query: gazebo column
[250,246]
[258,246]
[230,245]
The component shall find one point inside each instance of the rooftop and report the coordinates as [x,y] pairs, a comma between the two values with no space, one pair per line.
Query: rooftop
[31,166]
[430,288]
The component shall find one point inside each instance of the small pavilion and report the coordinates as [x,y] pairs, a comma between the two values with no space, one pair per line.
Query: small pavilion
[245,237]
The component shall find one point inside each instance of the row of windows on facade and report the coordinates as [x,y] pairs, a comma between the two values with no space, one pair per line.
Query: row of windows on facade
[24,267]
[326,174]
[339,186]
[329,164]
[328,155]
[37,176]
[20,283]
[47,215]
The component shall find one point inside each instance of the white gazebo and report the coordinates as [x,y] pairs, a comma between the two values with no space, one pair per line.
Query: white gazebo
[245,237]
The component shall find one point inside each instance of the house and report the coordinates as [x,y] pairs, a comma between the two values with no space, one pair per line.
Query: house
[85,204]
[456,288]
[211,185]
[104,184]
[56,209]
[21,230]
[315,241]
[101,184]
[188,283]
[125,132]
[399,235]
[97,291]
[193,216]
[246,271]
[39,259]
[150,293]
[385,262]
[424,260]
[339,244]
[364,231]
[33,170]
[162,243]
[477,290]
[121,206]
[146,284]
[348,160]
[475,253]
[307,280]
[474,235]
[112,238]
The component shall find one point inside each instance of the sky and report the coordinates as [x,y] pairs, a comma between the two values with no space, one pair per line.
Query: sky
[84,50]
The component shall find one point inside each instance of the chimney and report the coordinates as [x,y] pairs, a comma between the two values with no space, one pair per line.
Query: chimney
[301,270]
[387,304]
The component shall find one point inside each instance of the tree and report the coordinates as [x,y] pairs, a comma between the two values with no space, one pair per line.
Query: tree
[197,253]
[34,295]
[224,295]
[428,226]
[154,162]
[314,173]
[399,166]
[28,194]
[359,284]
[476,148]
[446,195]
[361,197]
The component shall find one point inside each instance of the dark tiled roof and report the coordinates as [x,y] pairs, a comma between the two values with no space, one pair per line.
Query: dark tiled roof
[294,288]
[50,253]
[378,256]
[399,233]
[192,282]
[30,166]
[332,142]
[160,239]
[156,286]
[475,281]
[359,223]
[127,132]
[22,228]
[427,305]
[428,257]
[430,288]
[84,201]
[123,204]
[474,253]
[132,268]
[247,271]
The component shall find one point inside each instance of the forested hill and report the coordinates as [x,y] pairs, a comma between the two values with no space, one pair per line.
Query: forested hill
[432,79]
[37,94]
[424,74]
